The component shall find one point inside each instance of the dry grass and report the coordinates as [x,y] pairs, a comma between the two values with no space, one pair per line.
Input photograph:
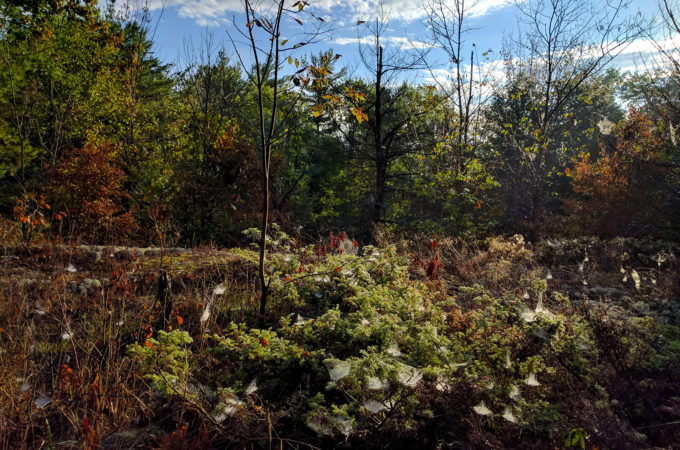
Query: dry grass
[68,381]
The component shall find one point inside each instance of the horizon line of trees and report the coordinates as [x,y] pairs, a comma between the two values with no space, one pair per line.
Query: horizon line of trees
[101,141]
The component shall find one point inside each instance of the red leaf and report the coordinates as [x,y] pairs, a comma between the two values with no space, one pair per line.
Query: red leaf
[432,268]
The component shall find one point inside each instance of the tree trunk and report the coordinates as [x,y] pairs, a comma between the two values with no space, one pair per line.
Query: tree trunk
[163,296]
[380,150]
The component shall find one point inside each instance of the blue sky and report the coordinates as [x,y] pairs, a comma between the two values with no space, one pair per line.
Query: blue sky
[178,25]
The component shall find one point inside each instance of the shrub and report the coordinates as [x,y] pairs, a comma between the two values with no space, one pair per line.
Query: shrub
[88,185]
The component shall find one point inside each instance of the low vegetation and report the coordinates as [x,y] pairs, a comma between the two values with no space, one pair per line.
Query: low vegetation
[566,343]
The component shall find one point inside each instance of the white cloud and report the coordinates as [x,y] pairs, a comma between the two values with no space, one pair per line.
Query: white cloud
[206,22]
[638,56]
[642,47]
[641,54]
[205,12]
[402,42]
[649,46]
[484,7]
[353,41]
[212,12]
[409,10]
[486,78]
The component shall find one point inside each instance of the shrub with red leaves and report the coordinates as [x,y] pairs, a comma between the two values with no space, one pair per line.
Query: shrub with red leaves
[618,193]
[88,185]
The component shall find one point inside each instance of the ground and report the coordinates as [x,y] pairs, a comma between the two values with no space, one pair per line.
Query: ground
[443,344]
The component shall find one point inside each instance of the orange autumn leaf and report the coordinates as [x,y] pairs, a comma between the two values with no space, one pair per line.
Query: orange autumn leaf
[180,320]
[96,386]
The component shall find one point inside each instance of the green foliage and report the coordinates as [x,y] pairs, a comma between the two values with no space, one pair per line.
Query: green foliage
[277,363]
[577,438]
[365,346]
[165,361]
[533,154]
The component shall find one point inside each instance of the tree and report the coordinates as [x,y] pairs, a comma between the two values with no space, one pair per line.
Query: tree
[74,78]
[619,194]
[562,46]
[144,117]
[465,80]
[386,149]
[48,100]
[456,170]
[532,171]
[656,93]
[209,141]
[565,43]
[389,106]
[87,186]
[267,50]
[656,89]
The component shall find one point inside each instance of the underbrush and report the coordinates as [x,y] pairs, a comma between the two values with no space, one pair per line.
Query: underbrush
[435,345]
